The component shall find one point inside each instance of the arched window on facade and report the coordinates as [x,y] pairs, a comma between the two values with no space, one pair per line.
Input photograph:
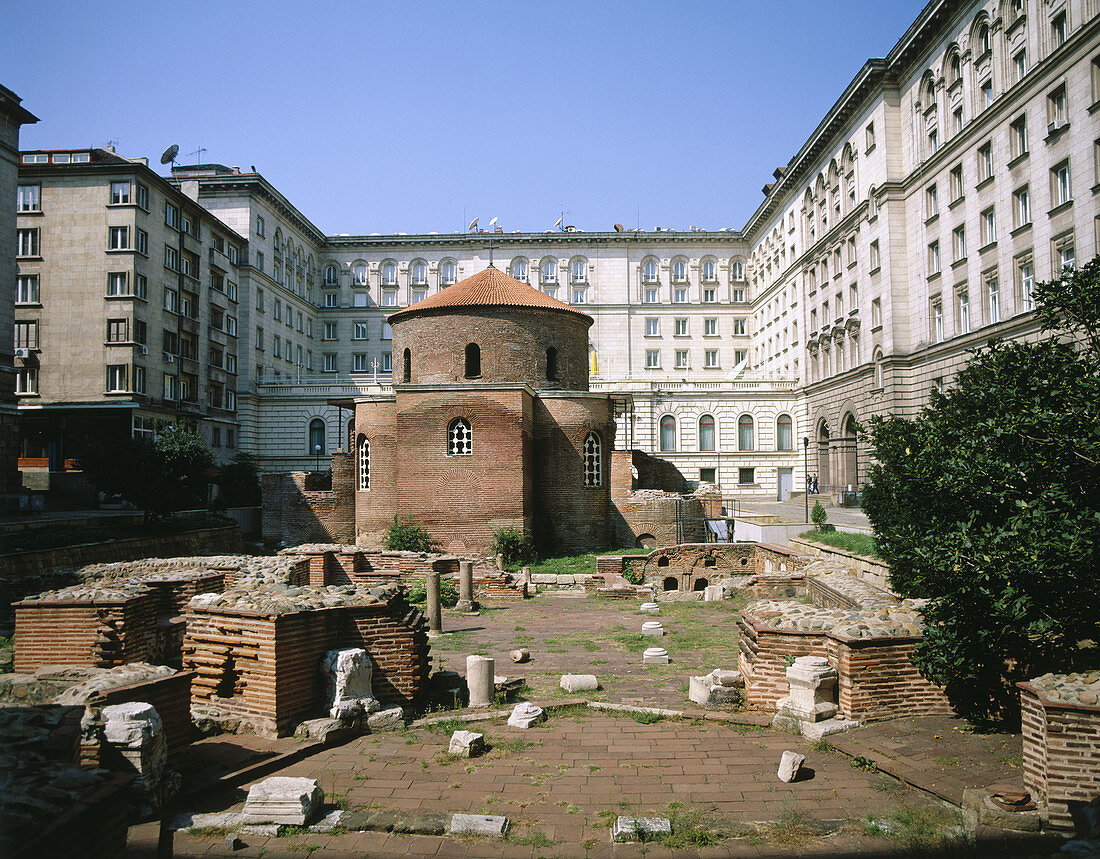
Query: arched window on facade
[364,463]
[709,271]
[359,275]
[552,364]
[549,271]
[447,273]
[419,273]
[473,361]
[332,278]
[593,462]
[649,272]
[460,438]
[679,271]
[519,269]
[406,366]
[668,433]
[351,434]
[579,271]
[784,433]
[706,432]
[317,445]
[879,380]
[744,433]
[389,274]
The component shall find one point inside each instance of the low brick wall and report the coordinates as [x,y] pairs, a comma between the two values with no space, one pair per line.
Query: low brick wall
[96,825]
[171,697]
[103,633]
[265,668]
[877,679]
[871,570]
[1061,756]
[693,566]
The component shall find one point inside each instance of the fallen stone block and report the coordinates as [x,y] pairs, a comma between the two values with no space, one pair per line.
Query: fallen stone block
[491,825]
[712,696]
[579,682]
[283,800]
[327,731]
[629,829]
[264,830]
[390,821]
[348,690]
[386,720]
[525,715]
[712,593]
[521,655]
[544,578]
[467,744]
[329,822]
[789,765]
[835,725]
[219,819]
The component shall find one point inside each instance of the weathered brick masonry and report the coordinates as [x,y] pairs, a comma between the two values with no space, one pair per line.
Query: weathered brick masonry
[1062,746]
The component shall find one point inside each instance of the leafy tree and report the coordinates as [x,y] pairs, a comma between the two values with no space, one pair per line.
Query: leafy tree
[406,535]
[239,482]
[513,544]
[988,504]
[159,476]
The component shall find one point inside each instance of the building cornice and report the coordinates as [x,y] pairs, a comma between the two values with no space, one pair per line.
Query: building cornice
[482,240]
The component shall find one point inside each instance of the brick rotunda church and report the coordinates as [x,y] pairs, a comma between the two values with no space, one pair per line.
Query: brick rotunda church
[490,423]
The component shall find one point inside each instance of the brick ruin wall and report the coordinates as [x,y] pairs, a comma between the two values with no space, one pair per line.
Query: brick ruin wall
[876,677]
[294,514]
[102,633]
[693,566]
[171,697]
[265,669]
[1061,756]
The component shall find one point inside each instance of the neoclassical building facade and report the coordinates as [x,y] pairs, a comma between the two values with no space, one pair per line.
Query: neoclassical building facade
[909,228]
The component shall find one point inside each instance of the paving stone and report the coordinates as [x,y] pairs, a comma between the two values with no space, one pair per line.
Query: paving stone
[491,825]
[627,829]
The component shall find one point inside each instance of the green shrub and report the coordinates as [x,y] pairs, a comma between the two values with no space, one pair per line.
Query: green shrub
[448,592]
[513,544]
[819,516]
[633,574]
[405,535]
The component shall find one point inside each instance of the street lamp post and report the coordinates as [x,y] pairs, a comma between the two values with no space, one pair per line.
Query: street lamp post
[317,458]
[806,472]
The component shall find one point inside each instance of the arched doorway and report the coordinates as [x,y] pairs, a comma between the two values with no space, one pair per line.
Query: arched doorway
[823,456]
[849,453]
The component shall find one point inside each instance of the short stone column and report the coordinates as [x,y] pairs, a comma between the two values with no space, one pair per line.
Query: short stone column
[813,690]
[466,586]
[435,614]
[527,576]
[480,679]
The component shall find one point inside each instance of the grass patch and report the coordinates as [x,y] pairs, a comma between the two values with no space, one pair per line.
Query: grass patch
[922,830]
[860,544]
[530,838]
[695,829]
[209,831]
[865,764]
[791,829]
[447,726]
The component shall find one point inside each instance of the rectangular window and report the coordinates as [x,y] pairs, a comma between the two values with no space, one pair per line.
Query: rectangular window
[937,321]
[332,299]
[27,243]
[933,258]
[746,476]
[710,358]
[740,327]
[739,296]
[710,327]
[680,295]
[26,335]
[653,359]
[330,364]
[277,346]
[874,259]
[1021,207]
[710,293]
[260,260]
[359,362]
[993,299]
[389,298]
[740,356]
[359,330]
[118,283]
[650,296]
[117,331]
[964,312]
[651,327]
[277,310]
[988,221]
[682,359]
[1025,277]
[358,299]
[171,258]
[171,216]
[259,226]
[931,202]
[1060,193]
[987,94]
[985,162]
[1064,254]
[1058,30]
[329,331]
[387,362]
[1057,113]
[26,289]
[956,182]
[1017,134]
[869,137]
[578,295]
[29,198]
[117,378]
[142,196]
[876,312]
[681,327]
[231,325]
[120,193]
[26,380]
[419,295]
[1019,64]
[958,243]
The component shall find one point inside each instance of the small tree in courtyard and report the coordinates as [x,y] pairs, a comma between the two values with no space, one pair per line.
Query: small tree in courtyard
[988,504]
[406,535]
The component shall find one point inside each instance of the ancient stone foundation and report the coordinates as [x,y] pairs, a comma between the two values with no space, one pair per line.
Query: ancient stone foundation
[1061,728]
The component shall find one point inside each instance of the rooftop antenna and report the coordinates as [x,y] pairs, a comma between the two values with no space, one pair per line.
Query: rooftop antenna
[169,155]
[473,226]
[491,224]
[557,223]
[198,152]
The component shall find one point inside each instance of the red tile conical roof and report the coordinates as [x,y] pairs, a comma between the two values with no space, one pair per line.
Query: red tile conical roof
[488,288]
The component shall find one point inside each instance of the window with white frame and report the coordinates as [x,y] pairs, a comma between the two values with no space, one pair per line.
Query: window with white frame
[668,433]
[359,330]
[876,312]
[418,295]
[993,299]
[519,270]
[682,361]
[387,362]
[745,432]
[593,462]
[1060,192]
[460,438]
[118,283]
[548,272]
[359,362]
[1064,254]
[389,298]
[579,294]
[29,198]
[937,321]
[1019,64]
[737,270]
[680,295]
[389,274]
[652,327]
[118,238]
[447,273]
[681,327]
[329,331]
[931,202]
[332,277]
[578,273]
[26,380]
[710,359]
[964,312]
[118,378]
[985,162]
[1025,280]
[653,359]
[26,289]
[27,244]
[679,271]
[650,296]
[738,295]
[958,243]
[649,272]
[120,193]
[710,295]
[956,180]
[1058,30]
[988,222]
[740,326]
[1057,108]
[708,271]
[26,334]
[419,275]
[330,364]
[933,258]
[387,331]
[1021,207]
[710,327]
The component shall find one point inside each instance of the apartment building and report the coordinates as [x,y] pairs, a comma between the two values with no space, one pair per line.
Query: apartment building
[908,229]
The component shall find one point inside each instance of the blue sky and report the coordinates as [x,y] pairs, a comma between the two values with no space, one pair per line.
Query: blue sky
[414,117]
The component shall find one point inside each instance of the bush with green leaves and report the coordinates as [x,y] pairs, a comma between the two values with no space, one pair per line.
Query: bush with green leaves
[406,535]
[516,546]
[988,504]
[448,592]
[818,516]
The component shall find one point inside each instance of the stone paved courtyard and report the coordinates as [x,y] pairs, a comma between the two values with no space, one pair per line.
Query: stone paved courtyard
[563,782]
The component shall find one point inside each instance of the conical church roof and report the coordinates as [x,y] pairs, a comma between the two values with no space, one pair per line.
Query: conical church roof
[488,288]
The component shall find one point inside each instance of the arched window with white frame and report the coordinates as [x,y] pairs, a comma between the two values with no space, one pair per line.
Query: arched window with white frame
[332,276]
[679,271]
[745,432]
[649,271]
[578,272]
[706,433]
[460,438]
[593,460]
[447,272]
[548,271]
[668,433]
[364,463]
[519,269]
[784,433]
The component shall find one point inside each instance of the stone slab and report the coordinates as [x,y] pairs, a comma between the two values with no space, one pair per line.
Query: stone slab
[389,821]
[466,744]
[283,800]
[630,829]
[387,720]
[490,825]
[329,822]
[579,682]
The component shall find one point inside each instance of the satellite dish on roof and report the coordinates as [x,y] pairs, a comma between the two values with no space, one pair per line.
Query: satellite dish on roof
[493,221]
[170,154]
[557,223]
[473,224]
